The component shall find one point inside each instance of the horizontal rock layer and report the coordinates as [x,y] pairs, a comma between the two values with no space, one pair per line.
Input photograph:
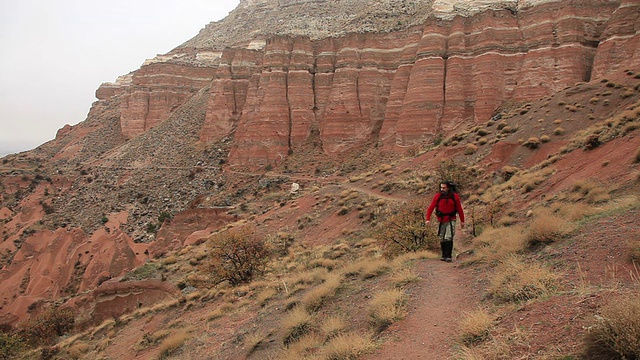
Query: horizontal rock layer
[395,88]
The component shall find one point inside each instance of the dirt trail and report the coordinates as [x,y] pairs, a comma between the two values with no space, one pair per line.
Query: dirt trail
[430,329]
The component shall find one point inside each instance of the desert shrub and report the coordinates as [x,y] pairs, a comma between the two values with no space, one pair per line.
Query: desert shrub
[482,141]
[316,297]
[545,138]
[546,229]
[615,333]
[636,157]
[589,191]
[171,343]
[406,231]
[10,345]
[475,326]
[386,307]
[46,326]
[470,149]
[591,142]
[333,326]
[515,280]
[494,244]
[297,323]
[347,346]
[558,131]
[449,170]
[532,143]
[237,256]
[508,172]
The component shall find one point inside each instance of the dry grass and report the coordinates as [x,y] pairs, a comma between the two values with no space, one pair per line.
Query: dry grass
[373,268]
[316,297]
[547,228]
[386,307]
[303,348]
[470,149]
[636,157]
[590,191]
[220,311]
[475,326]
[348,346]
[572,211]
[333,326]
[170,344]
[265,295]
[404,276]
[297,323]
[615,333]
[495,244]
[514,281]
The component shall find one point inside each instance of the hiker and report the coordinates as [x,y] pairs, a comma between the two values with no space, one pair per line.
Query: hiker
[447,205]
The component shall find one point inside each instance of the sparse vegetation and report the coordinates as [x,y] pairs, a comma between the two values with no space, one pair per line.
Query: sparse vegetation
[386,307]
[516,280]
[475,326]
[237,256]
[615,331]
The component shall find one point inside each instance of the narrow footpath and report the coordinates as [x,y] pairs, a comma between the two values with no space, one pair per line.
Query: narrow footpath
[431,328]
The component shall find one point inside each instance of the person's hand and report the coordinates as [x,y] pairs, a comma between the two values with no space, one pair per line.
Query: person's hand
[427,222]
[462,225]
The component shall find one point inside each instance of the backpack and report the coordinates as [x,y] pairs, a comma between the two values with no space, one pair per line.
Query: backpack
[446,205]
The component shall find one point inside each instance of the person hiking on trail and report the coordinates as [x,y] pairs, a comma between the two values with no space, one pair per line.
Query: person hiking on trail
[447,205]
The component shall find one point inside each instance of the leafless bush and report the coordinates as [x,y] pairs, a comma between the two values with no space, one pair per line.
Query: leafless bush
[237,256]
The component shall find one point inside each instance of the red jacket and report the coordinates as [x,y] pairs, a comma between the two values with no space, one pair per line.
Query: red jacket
[434,202]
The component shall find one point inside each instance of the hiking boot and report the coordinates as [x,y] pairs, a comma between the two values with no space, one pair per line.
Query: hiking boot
[443,259]
[447,259]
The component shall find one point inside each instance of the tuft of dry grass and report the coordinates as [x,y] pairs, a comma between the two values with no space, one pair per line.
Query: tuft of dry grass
[495,244]
[547,228]
[572,211]
[316,297]
[348,346]
[220,311]
[475,326]
[470,149]
[171,343]
[373,268]
[404,276]
[297,323]
[333,326]
[615,333]
[386,307]
[514,281]
[265,295]
[303,348]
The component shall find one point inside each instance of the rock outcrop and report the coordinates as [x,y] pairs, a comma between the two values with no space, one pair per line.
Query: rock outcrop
[398,87]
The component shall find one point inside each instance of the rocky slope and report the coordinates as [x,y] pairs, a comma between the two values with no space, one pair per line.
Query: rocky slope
[252,92]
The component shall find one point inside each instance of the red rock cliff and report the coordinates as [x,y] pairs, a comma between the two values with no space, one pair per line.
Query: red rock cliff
[397,88]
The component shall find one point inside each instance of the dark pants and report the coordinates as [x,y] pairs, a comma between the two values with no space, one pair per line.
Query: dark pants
[447,248]
[446,231]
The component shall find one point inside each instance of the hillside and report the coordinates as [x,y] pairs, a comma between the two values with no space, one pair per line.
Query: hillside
[117,219]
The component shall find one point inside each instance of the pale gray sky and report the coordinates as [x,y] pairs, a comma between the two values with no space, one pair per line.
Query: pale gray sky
[54,54]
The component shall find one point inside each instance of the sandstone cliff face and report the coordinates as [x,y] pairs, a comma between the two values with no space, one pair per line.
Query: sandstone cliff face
[397,88]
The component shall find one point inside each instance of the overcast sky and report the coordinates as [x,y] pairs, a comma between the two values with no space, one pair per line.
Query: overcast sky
[54,54]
